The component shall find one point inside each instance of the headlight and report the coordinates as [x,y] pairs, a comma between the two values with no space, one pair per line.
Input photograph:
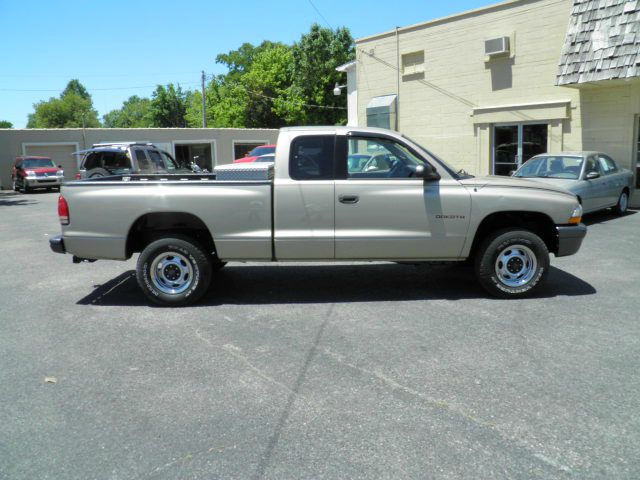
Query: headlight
[30,173]
[576,216]
[60,173]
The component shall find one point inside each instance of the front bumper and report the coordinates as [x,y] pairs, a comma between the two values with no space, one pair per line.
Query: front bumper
[570,238]
[42,182]
[57,244]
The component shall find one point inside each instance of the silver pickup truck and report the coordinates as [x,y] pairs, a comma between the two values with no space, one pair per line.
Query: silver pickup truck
[332,194]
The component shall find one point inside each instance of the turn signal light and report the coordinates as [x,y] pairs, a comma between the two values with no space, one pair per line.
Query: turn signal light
[63,211]
[576,216]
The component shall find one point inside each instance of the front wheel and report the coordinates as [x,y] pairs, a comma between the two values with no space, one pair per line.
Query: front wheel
[512,263]
[174,271]
[623,203]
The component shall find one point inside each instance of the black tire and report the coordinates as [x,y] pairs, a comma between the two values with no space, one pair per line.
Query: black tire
[181,256]
[524,270]
[25,187]
[623,203]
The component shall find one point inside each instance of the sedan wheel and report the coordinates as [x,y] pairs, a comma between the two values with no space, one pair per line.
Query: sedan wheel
[623,203]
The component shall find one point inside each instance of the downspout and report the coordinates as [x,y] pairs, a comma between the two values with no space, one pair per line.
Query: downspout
[397,80]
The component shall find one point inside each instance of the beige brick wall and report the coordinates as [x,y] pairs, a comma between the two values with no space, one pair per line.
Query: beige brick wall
[437,110]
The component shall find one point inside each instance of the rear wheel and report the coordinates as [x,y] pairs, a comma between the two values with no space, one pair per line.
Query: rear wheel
[512,263]
[174,271]
[623,203]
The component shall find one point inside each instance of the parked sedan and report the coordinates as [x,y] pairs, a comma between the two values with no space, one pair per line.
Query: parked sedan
[593,176]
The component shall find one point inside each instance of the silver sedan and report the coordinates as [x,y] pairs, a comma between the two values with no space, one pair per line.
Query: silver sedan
[593,176]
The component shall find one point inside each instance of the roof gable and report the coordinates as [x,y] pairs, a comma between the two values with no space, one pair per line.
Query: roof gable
[602,42]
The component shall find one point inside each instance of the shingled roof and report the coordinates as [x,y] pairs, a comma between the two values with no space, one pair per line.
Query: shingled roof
[602,42]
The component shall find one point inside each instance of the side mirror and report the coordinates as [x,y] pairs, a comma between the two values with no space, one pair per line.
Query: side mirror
[59,166]
[427,172]
[592,175]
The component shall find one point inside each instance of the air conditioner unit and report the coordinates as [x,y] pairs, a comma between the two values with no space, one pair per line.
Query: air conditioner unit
[496,46]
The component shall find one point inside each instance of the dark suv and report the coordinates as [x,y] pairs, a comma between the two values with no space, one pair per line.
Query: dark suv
[106,159]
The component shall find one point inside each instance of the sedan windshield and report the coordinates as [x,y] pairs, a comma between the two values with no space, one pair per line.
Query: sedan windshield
[258,151]
[38,163]
[568,167]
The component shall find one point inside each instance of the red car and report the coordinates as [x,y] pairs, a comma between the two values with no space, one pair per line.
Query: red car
[32,172]
[255,153]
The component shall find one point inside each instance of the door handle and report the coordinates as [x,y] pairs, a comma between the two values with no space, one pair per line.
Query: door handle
[348,199]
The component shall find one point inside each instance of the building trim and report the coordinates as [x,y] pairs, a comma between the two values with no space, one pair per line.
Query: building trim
[522,112]
[449,18]
[76,145]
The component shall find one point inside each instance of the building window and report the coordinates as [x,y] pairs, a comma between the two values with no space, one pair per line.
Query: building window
[515,144]
[242,149]
[413,63]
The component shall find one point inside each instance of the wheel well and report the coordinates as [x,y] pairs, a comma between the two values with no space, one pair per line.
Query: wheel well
[537,223]
[152,226]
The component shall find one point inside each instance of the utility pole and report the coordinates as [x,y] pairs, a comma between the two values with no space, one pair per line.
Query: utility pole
[204,103]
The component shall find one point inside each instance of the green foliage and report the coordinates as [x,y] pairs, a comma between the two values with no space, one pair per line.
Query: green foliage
[315,58]
[73,109]
[5,124]
[273,84]
[135,113]
[74,86]
[169,106]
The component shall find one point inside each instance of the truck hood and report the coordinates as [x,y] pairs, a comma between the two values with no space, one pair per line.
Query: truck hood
[514,182]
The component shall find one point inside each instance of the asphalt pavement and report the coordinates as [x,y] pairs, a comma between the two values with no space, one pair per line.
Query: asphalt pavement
[363,371]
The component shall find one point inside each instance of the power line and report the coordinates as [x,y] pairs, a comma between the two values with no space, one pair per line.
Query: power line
[319,13]
[90,89]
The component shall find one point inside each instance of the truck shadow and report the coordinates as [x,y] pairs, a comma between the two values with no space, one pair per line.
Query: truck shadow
[296,284]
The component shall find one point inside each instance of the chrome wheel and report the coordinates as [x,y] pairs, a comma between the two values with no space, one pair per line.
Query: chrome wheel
[516,265]
[171,273]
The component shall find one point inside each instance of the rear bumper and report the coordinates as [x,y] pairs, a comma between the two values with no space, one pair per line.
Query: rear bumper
[570,238]
[57,244]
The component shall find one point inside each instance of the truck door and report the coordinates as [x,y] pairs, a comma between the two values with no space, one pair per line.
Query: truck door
[303,205]
[383,212]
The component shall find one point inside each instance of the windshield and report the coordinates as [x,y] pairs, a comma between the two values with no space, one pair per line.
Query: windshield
[431,156]
[38,163]
[258,151]
[169,161]
[559,166]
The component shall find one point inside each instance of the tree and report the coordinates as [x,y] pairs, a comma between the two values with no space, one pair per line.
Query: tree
[5,124]
[135,113]
[169,106]
[315,58]
[74,86]
[265,84]
[72,109]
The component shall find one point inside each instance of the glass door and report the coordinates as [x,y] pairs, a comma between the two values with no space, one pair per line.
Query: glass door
[515,144]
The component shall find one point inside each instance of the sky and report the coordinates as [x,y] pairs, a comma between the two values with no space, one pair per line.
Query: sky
[120,48]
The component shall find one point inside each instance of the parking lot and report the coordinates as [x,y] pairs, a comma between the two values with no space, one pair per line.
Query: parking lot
[317,371]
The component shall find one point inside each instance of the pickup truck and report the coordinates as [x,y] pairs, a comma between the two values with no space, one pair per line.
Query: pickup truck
[332,194]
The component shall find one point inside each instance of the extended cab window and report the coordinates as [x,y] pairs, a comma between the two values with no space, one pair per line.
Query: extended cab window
[141,159]
[369,158]
[312,158]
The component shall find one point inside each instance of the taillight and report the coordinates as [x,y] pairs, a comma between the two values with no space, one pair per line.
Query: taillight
[63,211]
[78,176]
